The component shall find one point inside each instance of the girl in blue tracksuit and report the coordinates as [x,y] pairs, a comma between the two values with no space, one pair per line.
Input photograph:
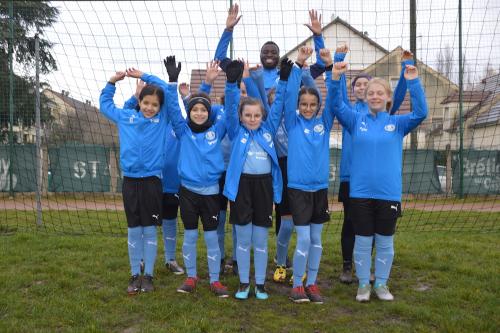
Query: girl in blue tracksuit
[358,84]
[253,178]
[308,173]
[376,168]
[199,167]
[141,160]
[170,183]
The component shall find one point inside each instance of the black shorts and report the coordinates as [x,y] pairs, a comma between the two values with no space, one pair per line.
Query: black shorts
[170,206]
[309,207]
[344,192]
[222,198]
[373,216]
[194,205]
[254,202]
[142,199]
[283,208]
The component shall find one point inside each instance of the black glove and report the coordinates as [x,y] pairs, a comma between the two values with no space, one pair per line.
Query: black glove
[234,71]
[285,69]
[172,70]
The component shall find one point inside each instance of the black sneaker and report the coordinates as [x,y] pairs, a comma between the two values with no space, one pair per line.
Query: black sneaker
[147,284]
[346,275]
[134,285]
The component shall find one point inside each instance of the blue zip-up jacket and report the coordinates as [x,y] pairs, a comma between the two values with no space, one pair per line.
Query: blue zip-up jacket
[141,139]
[376,164]
[308,139]
[200,159]
[170,178]
[241,138]
[362,106]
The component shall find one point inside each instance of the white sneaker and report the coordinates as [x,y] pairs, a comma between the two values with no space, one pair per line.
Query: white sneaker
[383,293]
[174,267]
[363,293]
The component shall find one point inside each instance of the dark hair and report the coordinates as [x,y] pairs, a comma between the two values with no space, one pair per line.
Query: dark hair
[360,76]
[270,42]
[251,101]
[151,89]
[309,91]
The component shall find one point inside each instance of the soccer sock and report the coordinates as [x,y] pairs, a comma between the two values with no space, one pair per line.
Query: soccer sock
[221,233]
[150,248]
[315,251]
[235,238]
[213,255]
[169,228]
[259,242]
[189,251]
[135,249]
[301,252]
[283,240]
[363,258]
[243,245]
[384,255]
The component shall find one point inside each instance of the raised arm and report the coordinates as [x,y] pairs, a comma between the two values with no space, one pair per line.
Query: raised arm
[232,98]
[173,110]
[132,102]
[106,103]
[400,91]
[211,74]
[409,122]
[221,51]
[273,121]
[315,26]
[343,111]
[340,53]
[327,114]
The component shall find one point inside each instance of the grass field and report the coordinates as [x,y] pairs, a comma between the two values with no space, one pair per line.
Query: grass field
[443,282]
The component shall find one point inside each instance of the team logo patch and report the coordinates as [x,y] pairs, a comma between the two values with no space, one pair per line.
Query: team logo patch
[243,140]
[390,128]
[319,128]
[268,137]
[210,135]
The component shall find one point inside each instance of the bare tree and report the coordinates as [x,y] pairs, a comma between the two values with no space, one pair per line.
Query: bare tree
[445,62]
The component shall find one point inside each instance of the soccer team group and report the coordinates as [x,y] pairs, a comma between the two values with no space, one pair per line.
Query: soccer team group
[265,145]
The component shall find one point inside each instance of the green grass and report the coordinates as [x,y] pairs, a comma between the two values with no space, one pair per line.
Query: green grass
[443,282]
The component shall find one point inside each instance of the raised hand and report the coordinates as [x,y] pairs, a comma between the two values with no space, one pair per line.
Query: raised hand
[339,68]
[285,69]
[406,55]
[232,17]
[246,68]
[120,75]
[304,53]
[411,72]
[315,25]
[212,72]
[172,70]
[184,89]
[135,73]
[326,56]
[139,85]
[343,48]
[234,71]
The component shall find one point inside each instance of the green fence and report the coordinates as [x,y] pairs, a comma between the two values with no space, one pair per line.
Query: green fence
[79,168]
[481,172]
[22,167]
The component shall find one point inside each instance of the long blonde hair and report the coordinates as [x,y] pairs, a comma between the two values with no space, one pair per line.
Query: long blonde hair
[387,87]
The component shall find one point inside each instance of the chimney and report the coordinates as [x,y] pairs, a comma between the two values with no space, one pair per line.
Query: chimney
[87,102]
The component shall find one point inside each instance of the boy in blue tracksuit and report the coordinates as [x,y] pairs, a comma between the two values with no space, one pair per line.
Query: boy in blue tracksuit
[200,168]
[358,84]
[253,179]
[308,173]
[141,160]
[376,168]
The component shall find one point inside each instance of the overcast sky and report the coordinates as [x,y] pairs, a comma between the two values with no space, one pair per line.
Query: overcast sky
[93,39]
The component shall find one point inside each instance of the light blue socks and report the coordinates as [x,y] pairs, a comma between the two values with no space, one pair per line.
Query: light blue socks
[243,247]
[221,233]
[213,254]
[189,251]
[301,253]
[169,228]
[150,243]
[283,239]
[362,255]
[135,249]
[259,242]
[315,251]
[384,246]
